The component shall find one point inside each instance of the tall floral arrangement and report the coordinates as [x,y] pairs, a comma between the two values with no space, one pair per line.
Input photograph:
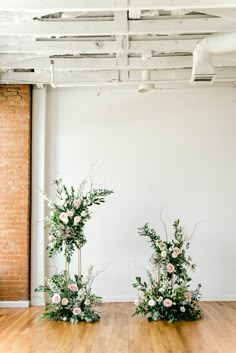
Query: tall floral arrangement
[71,299]
[167,295]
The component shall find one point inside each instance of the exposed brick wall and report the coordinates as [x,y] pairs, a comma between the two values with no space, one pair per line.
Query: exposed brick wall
[15,141]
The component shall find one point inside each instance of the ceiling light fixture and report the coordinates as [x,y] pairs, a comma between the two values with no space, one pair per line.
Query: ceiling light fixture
[146,85]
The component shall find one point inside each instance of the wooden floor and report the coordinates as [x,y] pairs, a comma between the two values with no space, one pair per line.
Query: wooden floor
[21,331]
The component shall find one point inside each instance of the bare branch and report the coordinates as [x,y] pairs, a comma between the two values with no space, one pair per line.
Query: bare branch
[164,224]
[193,232]
[104,267]
[90,176]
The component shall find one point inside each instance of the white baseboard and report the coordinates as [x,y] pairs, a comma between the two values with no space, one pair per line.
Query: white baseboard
[15,304]
[37,302]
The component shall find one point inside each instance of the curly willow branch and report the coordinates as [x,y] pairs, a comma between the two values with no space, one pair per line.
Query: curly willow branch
[164,224]
[194,230]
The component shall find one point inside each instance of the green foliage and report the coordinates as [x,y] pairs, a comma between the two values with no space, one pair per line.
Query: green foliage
[71,299]
[168,297]
[68,217]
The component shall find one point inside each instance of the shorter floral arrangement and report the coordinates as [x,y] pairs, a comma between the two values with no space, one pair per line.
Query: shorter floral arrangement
[68,217]
[167,296]
[70,299]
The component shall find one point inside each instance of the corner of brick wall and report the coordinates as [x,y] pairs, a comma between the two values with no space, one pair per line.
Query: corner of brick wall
[15,147]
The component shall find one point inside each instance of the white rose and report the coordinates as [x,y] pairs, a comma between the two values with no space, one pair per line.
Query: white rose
[65,301]
[162,246]
[136,302]
[77,219]
[64,318]
[87,302]
[174,255]
[160,299]
[151,302]
[163,253]
[182,309]
[83,214]
[70,213]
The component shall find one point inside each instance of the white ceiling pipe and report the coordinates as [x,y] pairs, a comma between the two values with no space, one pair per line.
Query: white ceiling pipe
[52,81]
[203,69]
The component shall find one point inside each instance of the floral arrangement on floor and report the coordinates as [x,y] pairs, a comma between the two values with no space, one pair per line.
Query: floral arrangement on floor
[167,296]
[71,298]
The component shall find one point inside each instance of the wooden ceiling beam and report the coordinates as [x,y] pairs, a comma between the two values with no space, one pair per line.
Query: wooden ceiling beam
[98,47]
[107,28]
[97,64]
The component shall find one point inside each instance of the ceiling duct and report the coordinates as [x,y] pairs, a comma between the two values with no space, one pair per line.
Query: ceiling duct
[203,69]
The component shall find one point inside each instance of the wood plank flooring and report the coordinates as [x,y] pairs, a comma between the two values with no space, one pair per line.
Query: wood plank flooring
[21,331]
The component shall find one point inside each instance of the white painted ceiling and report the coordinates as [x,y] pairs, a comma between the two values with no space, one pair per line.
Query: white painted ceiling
[102,42]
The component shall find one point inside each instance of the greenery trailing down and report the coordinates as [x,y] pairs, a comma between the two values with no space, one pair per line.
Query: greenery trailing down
[71,299]
[167,296]
[68,217]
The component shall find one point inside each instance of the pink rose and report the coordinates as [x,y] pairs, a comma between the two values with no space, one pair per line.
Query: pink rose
[187,295]
[77,203]
[56,298]
[170,268]
[73,287]
[76,311]
[176,251]
[51,238]
[167,303]
[63,217]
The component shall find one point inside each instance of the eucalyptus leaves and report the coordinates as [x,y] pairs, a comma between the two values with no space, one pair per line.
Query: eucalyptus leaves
[167,296]
[68,217]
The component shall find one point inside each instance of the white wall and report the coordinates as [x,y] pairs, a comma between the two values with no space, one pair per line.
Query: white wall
[173,148]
